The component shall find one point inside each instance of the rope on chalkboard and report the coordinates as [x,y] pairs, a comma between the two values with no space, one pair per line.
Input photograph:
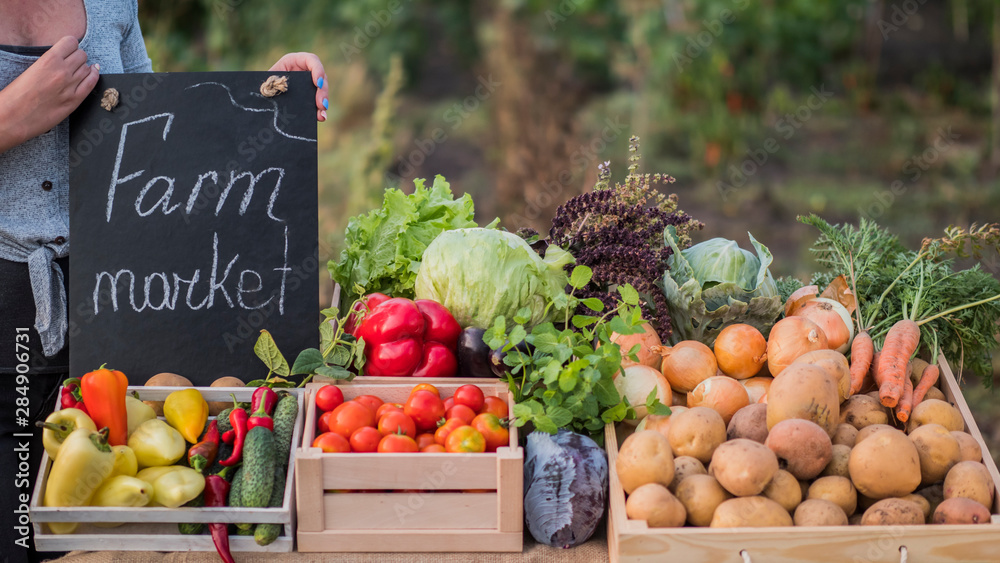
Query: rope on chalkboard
[109,100]
[273,86]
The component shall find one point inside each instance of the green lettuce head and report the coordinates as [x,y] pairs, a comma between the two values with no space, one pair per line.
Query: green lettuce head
[716,283]
[480,274]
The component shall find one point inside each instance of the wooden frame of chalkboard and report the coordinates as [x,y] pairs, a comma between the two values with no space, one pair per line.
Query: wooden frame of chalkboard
[194,224]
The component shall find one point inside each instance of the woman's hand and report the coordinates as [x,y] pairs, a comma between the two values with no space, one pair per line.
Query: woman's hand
[310,62]
[46,93]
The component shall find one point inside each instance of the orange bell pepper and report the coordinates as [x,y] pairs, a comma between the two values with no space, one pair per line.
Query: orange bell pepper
[104,394]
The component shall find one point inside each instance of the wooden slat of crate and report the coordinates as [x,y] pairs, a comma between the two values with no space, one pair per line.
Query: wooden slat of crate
[632,541]
[441,521]
[159,524]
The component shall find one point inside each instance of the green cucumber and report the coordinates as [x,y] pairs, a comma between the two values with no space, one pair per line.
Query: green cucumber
[223,421]
[192,528]
[284,426]
[235,489]
[248,531]
[258,467]
[265,534]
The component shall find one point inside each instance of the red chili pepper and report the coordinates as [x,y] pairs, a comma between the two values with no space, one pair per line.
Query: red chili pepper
[228,436]
[103,391]
[238,420]
[217,494]
[260,418]
[202,454]
[264,395]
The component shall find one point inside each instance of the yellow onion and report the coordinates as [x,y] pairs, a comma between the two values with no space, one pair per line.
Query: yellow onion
[646,341]
[636,383]
[721,393]
[833,318]
[686,364]
[741,350]
[757,387]
[790,338]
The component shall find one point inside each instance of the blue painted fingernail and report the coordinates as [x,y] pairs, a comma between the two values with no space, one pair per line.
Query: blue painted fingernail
[320,85]
[326,103]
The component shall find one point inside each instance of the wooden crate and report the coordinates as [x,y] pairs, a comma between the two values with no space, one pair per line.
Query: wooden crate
[155,528]
[430,514]
[631,541]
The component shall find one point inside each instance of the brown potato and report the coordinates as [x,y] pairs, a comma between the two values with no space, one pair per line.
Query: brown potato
[934,495]
[925,504]
[743,467]
[697,432]
[701,495]
[845,434]
[653,503]
[838,490]
[938,451]
[785,490]
[804,391]
[685,466]
[893,512]
[886,464]
[819,512]
[935,393]
[968,446]
[869,430]
[862,410]
[835,364]
[645,457]
[935,411]
[802,447]
[969,479]
[215,407]
[750,422]
[838,463]
[659,422]
[960,510]
[750,511]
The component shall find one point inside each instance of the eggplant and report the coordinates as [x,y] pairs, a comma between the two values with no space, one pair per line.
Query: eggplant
[501,369]
[473,354]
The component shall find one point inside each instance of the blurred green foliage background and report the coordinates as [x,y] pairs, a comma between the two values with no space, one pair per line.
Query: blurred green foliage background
[762,110]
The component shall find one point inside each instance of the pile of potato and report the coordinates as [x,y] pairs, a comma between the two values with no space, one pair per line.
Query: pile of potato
[808,455]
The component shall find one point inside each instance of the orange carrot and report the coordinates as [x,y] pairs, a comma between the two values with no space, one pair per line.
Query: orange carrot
[905,405]
[862,350]
[927,380]
[900,343]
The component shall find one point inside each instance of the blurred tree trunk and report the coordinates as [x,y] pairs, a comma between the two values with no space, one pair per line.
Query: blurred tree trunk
[533,109]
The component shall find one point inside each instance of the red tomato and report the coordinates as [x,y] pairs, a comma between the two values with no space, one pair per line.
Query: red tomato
[424,440]
[397,443]
[441,434]
[470,396]
[331,442]
[495,405]
[425,387]
[460,411]
[425,408]
[350,416]
[397,423]
[493,431]
[386,408]
[440,325]
[449,402]
[465,439]
[365,439]
[329,397]
[432,449]
[323,422]
[436,360]
[370,401]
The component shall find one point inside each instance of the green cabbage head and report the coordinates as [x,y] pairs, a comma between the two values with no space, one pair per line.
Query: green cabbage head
[480,274]
[716,283]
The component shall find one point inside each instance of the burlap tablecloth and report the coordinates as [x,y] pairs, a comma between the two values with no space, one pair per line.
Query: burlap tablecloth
[594,550]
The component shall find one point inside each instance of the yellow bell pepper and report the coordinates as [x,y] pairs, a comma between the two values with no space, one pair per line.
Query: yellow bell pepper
[84,462]
[60,424]
[187,411]
[156,443]
[121,490]
[137,412]
[173,486]
[125,461]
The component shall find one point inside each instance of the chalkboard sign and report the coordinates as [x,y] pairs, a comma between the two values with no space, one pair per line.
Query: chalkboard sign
[193,224]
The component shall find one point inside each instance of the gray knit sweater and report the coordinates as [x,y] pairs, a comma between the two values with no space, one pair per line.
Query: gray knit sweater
[34,176]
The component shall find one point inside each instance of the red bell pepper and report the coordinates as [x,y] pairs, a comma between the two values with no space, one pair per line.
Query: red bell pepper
[361,309]
[407,338]
[441,326]
[217,494]
[103,391]
[71,397]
